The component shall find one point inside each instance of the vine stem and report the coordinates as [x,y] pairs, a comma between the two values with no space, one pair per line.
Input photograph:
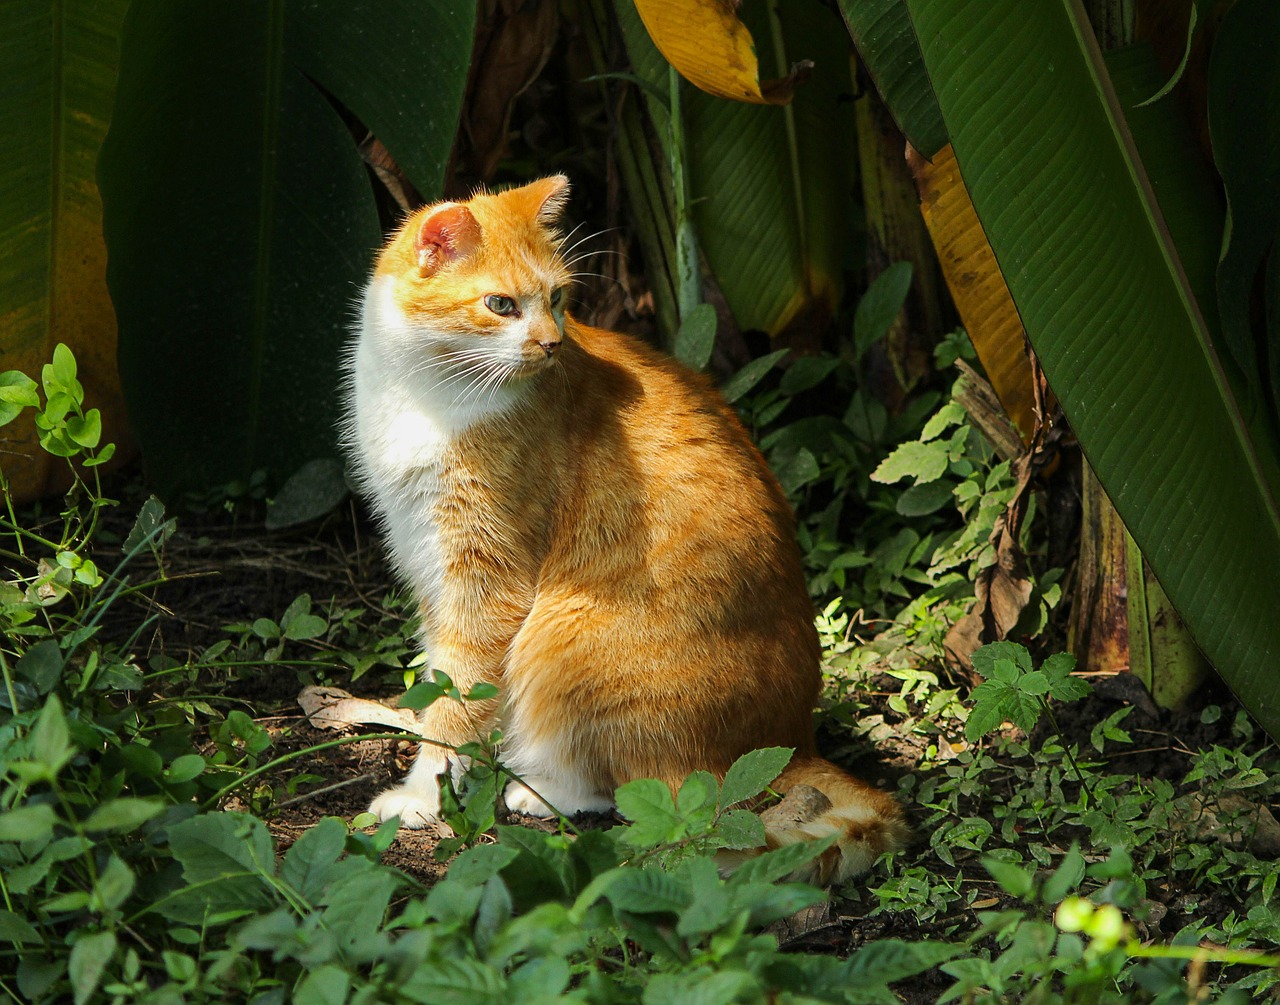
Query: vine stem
[1202,953]
[1066,747]
[248,776]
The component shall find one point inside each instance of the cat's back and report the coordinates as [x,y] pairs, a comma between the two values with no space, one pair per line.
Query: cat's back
[669,481]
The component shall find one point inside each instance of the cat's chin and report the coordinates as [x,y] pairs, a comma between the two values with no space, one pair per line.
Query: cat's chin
[531,367]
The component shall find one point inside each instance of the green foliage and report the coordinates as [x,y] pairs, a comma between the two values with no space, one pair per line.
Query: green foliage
[121,882]
[909,553]
[1206,412]
[1013,690]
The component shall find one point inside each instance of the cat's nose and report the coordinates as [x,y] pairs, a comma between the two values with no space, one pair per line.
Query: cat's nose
[550,347]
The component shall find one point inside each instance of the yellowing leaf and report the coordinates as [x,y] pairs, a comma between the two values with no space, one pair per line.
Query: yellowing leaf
[978,288]
[714,51]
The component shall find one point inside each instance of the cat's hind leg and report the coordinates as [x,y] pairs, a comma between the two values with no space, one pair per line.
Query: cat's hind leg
[549,782]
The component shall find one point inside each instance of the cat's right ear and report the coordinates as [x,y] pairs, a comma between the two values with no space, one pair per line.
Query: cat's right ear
[449,233]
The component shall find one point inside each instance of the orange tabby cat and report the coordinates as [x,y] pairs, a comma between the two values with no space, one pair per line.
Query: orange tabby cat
[584,523]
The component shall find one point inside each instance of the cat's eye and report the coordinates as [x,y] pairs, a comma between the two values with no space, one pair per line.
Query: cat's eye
[557,297]
[500,305]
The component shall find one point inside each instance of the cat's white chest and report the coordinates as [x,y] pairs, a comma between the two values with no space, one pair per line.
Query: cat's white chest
[409,407]
[400,454]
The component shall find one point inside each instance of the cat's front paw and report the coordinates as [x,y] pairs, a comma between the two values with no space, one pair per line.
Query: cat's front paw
[413,808]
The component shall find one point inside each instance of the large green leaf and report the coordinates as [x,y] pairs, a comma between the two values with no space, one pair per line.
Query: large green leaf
[1057,184]
[57,77]
[240,217]
[1244,121]
[886,42]
[770,185]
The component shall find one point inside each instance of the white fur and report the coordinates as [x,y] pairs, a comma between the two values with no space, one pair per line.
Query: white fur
[543,765]
[405,408]
[409,398]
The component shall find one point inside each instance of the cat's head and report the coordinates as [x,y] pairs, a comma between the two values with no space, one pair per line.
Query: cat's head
[477,289]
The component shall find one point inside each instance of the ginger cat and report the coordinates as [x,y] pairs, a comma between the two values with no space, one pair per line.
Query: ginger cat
[586,524]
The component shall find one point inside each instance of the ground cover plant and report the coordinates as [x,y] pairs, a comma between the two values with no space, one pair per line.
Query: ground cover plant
[173,830]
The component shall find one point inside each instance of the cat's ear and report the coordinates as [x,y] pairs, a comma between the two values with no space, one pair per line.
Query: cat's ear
[546,198]
[450,232]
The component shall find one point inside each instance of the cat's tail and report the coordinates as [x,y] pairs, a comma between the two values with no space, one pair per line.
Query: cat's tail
[821,799]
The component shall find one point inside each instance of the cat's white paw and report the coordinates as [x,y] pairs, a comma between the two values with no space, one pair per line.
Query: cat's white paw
[414,809]
[521,799]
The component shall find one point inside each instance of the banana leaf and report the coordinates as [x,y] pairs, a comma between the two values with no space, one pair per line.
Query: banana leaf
[57,75]
[1056,180]
[771,186]
[240,217]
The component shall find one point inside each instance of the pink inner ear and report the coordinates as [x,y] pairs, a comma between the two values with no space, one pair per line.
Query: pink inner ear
[449,233]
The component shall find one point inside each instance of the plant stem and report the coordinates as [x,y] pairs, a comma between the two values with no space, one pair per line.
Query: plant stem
[8,685]
[1066,748]
[1208,955]
[688,287]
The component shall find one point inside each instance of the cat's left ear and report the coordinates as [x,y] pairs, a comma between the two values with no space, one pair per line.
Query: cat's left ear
[547,198]
[449,232]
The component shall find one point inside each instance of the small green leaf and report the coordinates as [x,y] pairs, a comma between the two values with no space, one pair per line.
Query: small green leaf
[887,960]
[985,715]
[16,929]
[123,814]
[180,966]
[798,470]
[1065,878]
[17,391]
[1016,880]
[307,863]
[541,979]
[115,884]
[921,500]
[781,862]
[752,773]
[185,768]
[422,694]
[984,658]
[1034,683]
[102,456]
[50,738]
[89,957]
[316,489]
[696,337]
[750,375]
[806,372]
[483,691]
[85,432]
[305,626]
[740,829]
[648,891]
[266,629]
[880,305]
[213,846]
[925,462]
[149,528]
[41,665]
[950,414]
[64,366]
[647,803]
[327,984]
[699,791]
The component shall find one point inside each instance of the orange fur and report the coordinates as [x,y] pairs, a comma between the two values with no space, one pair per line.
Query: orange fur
[587,525]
